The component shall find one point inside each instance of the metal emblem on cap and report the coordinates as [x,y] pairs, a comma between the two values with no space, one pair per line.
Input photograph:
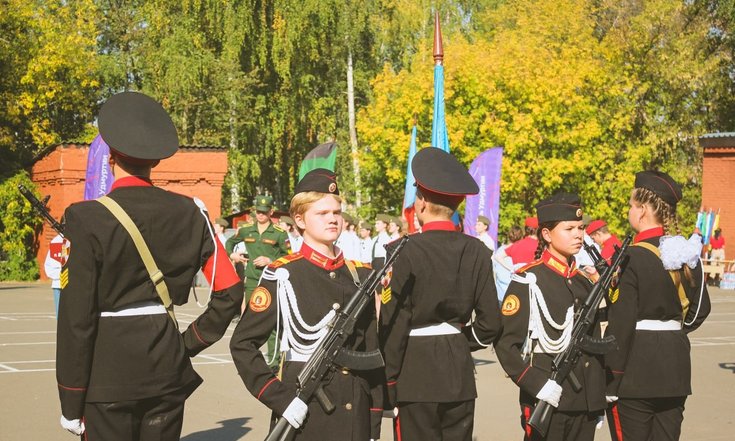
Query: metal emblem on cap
[579,212]
[332,187]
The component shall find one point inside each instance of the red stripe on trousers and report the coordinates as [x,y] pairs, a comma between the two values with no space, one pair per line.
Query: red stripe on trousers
[527,415]
[398,428]
[616,420]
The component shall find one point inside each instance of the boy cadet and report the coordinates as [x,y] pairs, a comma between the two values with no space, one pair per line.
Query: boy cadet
[122,366]
[439,279]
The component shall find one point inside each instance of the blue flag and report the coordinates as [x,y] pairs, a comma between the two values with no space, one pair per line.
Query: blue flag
[439,136]
[409,195]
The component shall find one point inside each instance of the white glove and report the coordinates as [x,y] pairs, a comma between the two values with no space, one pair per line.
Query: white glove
[611,398]
[600,422]
[74,426]
[551,393]
[296,412]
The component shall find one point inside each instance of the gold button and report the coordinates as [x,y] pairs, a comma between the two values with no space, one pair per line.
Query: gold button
[569,281]
[345,371]
[586,364]
[332,275]
[348,406]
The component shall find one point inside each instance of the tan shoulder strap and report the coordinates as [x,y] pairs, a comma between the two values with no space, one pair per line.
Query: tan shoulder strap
[145,253]
[353,272]
[675,277]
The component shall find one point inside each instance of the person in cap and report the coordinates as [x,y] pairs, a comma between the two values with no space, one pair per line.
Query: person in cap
[481,227]
[598,231]
[382,238]
[348,241]
[524,251]
[297,297]
[220,225]
[441,278]
[394,228]
[366,242]
[294,238]
[661,299]
[538,311]
[122,365]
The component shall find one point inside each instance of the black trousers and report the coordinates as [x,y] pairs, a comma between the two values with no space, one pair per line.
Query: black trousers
[652,419]
[434,421]
[150,419]
[564,426]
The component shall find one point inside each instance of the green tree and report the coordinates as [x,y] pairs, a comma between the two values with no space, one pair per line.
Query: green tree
[19,229]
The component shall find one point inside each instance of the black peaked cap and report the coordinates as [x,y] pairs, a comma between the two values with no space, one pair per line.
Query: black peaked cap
[320,180]
[440,172]
[138,127]
[660,183]
[559,207]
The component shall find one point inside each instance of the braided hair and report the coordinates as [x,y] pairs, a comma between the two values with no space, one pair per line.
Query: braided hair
[542,243]
[663,212]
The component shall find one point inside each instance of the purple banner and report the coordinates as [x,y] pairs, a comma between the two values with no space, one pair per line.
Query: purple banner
[99,176]
[485,169]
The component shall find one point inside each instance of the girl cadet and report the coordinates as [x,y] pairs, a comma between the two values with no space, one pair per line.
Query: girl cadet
[662,297]
[537,315]
[297,296]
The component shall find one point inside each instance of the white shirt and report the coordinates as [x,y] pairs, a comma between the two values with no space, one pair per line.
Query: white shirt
[295,242]
[52,264]
[366,250]
[487,240]
[349,243]
[379,243]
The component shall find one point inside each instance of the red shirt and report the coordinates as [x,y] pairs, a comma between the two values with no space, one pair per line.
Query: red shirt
[523,251]
[608,247]
[717,244]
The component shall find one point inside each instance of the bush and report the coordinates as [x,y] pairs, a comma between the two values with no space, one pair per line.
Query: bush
[19,229]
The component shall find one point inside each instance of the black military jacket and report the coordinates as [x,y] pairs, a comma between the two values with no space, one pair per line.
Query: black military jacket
[652,364]
[107,359]
[318,283]
[441,276]
[562,286]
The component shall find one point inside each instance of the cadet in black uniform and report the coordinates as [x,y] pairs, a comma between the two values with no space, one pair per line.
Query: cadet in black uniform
[297,296]
[661,299]
[537,310]
[439,279]
[123,368]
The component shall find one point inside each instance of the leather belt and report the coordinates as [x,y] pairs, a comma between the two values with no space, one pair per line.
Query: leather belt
[658,325]
[440,329]
[141,308]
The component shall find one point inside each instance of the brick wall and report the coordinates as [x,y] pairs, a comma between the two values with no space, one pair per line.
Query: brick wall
[718,190]
[60,173]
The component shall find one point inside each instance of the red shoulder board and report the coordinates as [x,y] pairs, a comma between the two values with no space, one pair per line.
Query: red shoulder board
[285,259]
[359,264]
[529,266]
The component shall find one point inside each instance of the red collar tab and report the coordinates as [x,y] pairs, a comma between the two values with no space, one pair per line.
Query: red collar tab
[653,232]
[439,226]
[559,266]
[131,181]
[320,259]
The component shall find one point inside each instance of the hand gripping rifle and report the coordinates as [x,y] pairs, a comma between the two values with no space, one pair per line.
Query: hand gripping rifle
[584,320]
[40,207]
[331,352]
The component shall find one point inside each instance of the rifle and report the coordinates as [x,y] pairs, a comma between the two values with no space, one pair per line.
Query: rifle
[584,320]
[331,353]
[40,207]
[599,262]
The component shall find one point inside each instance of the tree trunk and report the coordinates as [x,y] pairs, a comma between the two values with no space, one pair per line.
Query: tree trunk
[234,186]
[353,131]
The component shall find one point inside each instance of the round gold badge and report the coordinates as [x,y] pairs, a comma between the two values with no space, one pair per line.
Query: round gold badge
[332,187]
[579,212]
[260,300]
[511,305]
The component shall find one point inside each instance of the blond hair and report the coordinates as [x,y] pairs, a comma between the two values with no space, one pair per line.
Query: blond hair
[663,212]
[301,202]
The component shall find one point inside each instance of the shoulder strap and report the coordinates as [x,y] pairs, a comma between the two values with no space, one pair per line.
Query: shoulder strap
[353,272]
[675,277]
[145,254]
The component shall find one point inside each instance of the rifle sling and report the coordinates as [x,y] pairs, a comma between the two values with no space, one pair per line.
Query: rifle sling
[145,253]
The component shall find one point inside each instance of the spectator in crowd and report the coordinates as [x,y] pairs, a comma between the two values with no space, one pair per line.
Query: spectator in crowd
[481,227]
[503,267]
[294,237]
[348,241]
[524,250]
[366,242]
[55,258]
[599,232]
[220,225]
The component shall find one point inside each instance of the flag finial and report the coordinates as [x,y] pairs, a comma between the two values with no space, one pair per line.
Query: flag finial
[438,47]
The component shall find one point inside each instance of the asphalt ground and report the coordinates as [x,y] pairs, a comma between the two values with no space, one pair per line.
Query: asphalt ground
[223,410]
